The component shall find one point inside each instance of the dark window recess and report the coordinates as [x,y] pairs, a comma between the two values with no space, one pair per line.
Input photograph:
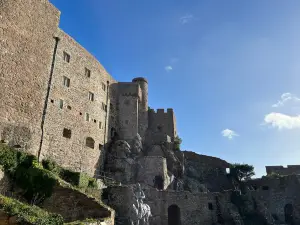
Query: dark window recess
[87,73]
[67,133]
[52,101]
[111,107]
[69,107]
[95,121]
[89,142]
[100,147]
[265,188]
[80,113]
[17,146]
[67,57]
[210,206]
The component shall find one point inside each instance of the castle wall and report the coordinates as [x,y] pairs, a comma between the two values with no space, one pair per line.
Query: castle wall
[27,44]
[143,106]
[152,166]
[162,122]
[195,209]
[275,193]
[129,95]
[280,170]
[83,115]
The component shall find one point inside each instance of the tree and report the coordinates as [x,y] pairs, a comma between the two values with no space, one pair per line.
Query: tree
[177,143]
[241,172]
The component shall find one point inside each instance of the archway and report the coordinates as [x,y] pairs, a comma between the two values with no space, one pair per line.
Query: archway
[174,215]
[288,213]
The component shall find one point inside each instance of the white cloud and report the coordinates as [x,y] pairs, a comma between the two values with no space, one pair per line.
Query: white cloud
[230,134]
[285,97]
[186,19]
[282,121]
[168,68]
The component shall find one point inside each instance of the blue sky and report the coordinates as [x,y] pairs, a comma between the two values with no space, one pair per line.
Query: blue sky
[231,66]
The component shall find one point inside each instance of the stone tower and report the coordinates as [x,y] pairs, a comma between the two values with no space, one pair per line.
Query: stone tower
[143,105]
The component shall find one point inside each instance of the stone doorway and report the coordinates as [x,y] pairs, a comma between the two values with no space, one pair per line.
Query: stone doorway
[174,215]
[288,214]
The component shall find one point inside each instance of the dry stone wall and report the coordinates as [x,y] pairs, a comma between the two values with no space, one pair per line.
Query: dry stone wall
[27,43]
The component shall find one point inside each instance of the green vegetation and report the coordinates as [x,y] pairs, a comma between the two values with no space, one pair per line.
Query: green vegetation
[240,172]
[28,214]
[26,173]
[77,179]
[177,143]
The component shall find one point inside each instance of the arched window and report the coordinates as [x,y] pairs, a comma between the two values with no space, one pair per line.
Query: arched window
[174,215]
[89,142]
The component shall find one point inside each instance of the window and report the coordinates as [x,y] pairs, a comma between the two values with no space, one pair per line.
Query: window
[52,101]
[103,87]
[66,82]
[69,107]
[104,107]
[100,147]
[61,103]
[67,133]
[100,125]
[91,96]
[95,121]
[87,73]
[210,206]
[80,113]
[87,117]
[89,142]
[66,57]
[111,107]
[265,188]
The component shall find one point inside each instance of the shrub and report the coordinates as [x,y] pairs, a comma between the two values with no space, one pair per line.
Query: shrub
[177,143]
[28,214]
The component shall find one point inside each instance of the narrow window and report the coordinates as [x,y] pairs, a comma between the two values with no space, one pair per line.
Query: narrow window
[103,107]
[100,147]
[87,117]
[87,73]
[67,133]
[80,113]
[210,206]
[111,107]
[52,101]
[91,96]
[61,103]
[103,87]
[69,107]
[89,142]
[100,125]
[95,121]
[66,57]
[66,81]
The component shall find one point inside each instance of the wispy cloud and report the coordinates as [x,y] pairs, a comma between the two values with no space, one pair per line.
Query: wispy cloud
[286,97]
[186,19]
[282,121]
[168,68]
[230,134]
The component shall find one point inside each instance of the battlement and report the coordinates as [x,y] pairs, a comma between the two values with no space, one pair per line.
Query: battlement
[161,111]
[281,170]
[140,79]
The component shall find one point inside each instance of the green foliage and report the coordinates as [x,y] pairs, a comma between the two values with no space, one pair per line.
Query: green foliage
[28,214]
[80,180]
[274,175]
[26,172]
[241,172]
[177,143]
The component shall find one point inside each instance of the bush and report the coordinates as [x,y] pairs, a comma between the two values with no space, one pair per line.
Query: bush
[177,143]
[26,172]
[28,214]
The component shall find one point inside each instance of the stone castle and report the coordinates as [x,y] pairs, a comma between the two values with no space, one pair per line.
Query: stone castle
[58,102]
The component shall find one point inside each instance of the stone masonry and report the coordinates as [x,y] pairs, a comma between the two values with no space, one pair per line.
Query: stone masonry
[57,100]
